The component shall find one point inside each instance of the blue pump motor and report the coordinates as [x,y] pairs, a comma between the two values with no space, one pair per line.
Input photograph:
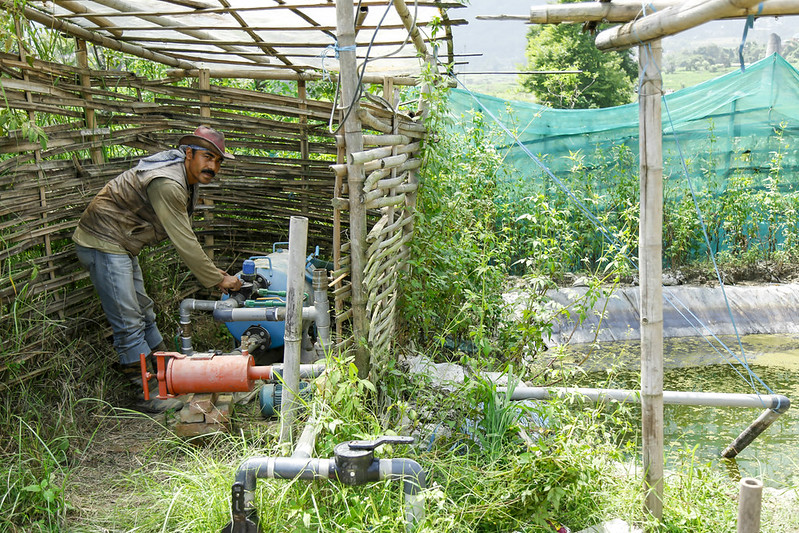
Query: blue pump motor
[270,397]
[270,272]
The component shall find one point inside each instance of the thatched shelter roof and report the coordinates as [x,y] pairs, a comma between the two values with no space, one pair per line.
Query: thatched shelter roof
[279,36]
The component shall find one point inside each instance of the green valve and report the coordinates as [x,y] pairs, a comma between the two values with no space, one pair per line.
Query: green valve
[264,303]
[267,292]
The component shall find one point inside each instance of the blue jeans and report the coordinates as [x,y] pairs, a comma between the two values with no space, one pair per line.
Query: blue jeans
[118,281]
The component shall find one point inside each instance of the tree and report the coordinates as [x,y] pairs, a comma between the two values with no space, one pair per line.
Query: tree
[606,79]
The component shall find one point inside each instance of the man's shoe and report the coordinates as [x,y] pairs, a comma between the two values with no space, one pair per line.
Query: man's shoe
[132,373]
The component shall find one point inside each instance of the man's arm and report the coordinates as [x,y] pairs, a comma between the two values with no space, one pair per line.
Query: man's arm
[168,199]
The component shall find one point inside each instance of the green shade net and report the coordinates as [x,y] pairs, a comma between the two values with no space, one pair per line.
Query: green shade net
[723,125]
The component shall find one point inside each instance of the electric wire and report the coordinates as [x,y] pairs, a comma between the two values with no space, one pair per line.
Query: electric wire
[367,60]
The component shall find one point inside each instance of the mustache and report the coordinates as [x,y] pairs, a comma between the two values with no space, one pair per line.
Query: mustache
[209,172]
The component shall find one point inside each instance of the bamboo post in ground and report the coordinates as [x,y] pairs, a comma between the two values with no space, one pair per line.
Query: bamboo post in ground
[292,340]
[353,136]
[37,155]
[751,491]
[650,252]
[338,186]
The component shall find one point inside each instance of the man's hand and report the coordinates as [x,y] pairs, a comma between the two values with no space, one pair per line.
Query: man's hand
[229,283]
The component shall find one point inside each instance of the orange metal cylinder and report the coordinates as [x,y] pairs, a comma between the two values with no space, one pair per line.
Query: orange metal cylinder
[215,373]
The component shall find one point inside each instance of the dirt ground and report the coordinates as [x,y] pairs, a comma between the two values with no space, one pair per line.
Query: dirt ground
[761,272]
[117,448]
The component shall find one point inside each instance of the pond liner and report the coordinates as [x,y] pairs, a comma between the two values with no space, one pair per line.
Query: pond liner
[756,309]
[774,405]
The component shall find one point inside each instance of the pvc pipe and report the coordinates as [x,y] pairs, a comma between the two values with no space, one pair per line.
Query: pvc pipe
[413,481]
[407,470]
[307,441]
[306,371]
[774,404]
[749,502]
[292,339]
[190,304]
[321,306]
[248,314]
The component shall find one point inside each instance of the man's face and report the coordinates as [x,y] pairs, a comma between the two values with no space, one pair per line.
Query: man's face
[201,166]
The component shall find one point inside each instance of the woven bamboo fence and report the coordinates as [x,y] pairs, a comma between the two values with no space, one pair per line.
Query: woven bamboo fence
[282,169]
[99,123]
[390,161]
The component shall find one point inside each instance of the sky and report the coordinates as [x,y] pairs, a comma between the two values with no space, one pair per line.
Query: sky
[502,43]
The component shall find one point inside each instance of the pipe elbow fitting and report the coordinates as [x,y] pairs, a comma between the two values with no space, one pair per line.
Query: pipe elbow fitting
[411,473]
[780,404]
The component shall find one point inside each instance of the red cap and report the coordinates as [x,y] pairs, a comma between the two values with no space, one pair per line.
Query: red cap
[209,138]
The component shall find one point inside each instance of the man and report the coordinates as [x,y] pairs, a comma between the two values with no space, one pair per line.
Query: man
[141,207]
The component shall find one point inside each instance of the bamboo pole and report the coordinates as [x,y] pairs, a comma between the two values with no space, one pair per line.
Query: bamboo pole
[385,140]
[302,94]
[385,151]
[338,303]
[627,10]
[650,251]
[37,154]
[76,31]
[204,84]
[204,36]
[282,74]
[410,25]
[668,22]
[85,81]
[353,135]
[749,504]
[77,7]
[281,6]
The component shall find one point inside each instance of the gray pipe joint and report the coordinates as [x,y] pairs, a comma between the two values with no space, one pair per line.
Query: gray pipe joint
[353,464]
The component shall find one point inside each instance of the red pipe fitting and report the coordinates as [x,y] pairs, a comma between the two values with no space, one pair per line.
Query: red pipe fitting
[182,374]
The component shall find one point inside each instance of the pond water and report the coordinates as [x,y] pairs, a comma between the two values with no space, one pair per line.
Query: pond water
[690,364]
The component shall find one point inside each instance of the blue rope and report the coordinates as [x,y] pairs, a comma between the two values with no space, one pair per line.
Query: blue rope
[335,49]
[749,23]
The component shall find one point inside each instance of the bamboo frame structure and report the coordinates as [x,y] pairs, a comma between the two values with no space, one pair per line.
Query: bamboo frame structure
[292,37]
[670,21]
[113,117]
[667,17]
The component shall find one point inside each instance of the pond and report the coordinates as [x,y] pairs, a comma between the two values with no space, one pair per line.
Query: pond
[691,364]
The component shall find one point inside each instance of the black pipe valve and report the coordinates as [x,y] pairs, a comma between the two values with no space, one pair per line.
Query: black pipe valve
[354,458]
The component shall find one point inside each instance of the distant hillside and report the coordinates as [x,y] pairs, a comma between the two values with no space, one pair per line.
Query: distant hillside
[501,44]
[690,57]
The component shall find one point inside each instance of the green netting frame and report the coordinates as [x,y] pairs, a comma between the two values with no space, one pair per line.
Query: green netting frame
[737,135]
[734,117]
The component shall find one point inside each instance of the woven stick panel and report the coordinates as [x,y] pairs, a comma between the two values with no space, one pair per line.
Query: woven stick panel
[390,198]
[47,177]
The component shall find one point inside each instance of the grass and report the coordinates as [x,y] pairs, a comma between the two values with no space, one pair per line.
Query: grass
[123,472]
